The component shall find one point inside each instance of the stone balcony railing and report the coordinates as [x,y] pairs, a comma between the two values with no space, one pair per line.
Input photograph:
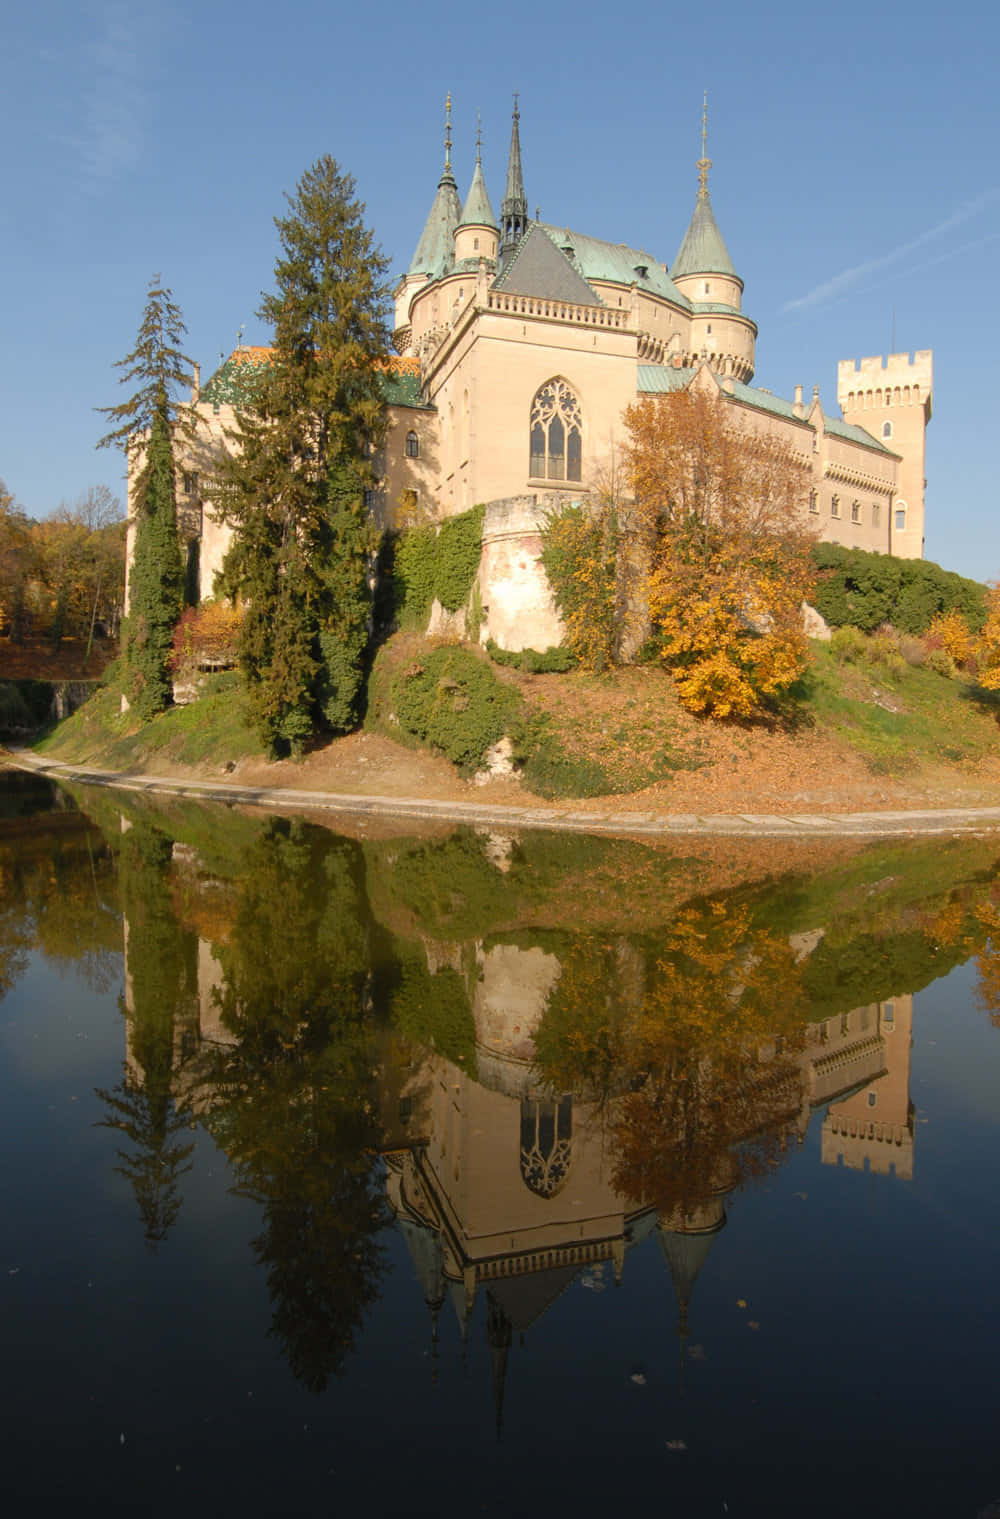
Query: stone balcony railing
[556,311]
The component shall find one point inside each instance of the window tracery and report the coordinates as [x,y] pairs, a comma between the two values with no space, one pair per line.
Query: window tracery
[546,1143]
[556,433]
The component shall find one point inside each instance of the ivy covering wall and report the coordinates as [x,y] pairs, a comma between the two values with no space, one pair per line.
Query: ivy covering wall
[436,563]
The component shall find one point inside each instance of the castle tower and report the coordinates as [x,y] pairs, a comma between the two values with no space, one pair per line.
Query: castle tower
[892,399]
[435,252]
[514,207]
[704,272]
[477,234]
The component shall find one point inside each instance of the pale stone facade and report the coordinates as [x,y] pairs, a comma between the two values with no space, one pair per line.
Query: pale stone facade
[520,345]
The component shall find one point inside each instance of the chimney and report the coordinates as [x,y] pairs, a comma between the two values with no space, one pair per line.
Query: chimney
[798,408]
[196,384]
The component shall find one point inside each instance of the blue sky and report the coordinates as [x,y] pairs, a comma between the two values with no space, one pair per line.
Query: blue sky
[855,180]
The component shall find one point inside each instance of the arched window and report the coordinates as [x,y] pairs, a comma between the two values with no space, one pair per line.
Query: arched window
[412,446]
[546,1143]
[556,433]
[887,429]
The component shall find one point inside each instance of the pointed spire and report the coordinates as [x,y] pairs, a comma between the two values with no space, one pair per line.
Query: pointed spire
[498,1329]
[514,210]
[703,250]
[435,251]
[477,211]
[704,163]
[447,134]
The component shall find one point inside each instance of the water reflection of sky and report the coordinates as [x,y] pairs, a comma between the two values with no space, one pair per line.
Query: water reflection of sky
[815,1338]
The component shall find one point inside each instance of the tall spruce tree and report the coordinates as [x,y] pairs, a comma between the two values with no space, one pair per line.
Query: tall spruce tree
[144,429]
[293,488]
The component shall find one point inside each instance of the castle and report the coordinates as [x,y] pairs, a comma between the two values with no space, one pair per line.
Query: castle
[520,344]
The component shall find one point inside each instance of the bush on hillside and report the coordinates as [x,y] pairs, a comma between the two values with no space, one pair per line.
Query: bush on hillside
[452,701]
[864,590]
[554,660]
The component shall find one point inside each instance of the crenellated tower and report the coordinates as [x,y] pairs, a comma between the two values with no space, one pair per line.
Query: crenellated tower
[892,399]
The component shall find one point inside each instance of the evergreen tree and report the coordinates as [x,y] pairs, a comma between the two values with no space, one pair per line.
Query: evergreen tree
[144,429]
[293,489]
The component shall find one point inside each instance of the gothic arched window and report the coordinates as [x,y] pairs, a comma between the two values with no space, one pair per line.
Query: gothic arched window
[556,433]
[412,446]
[546,1143]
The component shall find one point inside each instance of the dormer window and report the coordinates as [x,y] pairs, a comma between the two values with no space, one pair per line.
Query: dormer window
[642,270]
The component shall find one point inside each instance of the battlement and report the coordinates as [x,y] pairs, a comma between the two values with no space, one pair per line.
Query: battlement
[899,380]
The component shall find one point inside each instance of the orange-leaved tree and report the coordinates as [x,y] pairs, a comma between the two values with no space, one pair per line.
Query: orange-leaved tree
[988,652]
[723,516]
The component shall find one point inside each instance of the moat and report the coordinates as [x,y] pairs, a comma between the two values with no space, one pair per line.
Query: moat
[478,1170]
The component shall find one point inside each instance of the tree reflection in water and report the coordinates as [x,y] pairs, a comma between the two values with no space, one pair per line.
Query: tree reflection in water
[292,1100]
[160,1001]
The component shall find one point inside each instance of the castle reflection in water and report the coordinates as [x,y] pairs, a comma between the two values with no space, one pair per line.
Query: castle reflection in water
[506,1187]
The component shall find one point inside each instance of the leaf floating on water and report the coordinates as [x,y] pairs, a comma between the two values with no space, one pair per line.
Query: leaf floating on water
[676,1444]
[638,1378]
[752,1324]
[741,1302]
[13,1270]
[121,1438]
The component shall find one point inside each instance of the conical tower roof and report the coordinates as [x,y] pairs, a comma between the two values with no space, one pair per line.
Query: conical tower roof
[477,211]
[436,249]
[703,250]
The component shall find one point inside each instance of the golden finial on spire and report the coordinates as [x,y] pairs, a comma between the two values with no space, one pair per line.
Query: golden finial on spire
[704,162]
[447,131]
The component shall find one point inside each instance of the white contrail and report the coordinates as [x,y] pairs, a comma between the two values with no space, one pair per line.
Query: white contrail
[848,277]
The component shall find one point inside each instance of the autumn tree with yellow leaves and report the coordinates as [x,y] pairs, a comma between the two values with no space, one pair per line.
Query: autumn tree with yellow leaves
[721,517]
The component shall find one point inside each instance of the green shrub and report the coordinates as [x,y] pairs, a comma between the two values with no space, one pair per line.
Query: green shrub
[941,663]
[883,653]
[848,645]
[865,590]
[552,661]
[548,770]
[452,700]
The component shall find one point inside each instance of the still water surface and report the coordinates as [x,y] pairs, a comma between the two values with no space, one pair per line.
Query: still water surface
[492,1174]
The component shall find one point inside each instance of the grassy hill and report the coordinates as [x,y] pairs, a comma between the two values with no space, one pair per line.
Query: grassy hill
[856,727]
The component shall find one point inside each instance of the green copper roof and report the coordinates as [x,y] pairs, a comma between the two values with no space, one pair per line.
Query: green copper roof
[703,251]
[477,211]
[655,379]
[436,247]
[616,263]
